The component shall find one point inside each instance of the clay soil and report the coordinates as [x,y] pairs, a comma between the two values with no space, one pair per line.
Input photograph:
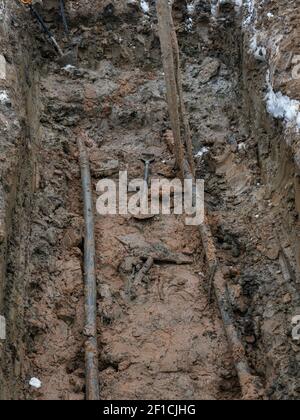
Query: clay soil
[162,338]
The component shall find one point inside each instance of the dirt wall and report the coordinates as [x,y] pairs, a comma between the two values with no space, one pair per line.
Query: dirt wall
[270,45]
[19,97]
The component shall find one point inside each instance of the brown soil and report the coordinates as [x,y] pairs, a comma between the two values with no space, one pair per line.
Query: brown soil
[163,338]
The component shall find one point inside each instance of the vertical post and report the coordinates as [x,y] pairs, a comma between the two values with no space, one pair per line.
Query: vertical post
[91,346]
[182,109]
[165,35]
[173,79]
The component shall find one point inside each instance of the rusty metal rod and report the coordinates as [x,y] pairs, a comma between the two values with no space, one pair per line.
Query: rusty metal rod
[91,346]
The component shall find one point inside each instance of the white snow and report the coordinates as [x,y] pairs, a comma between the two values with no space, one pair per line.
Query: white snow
[4,98]
[191,8]
[35,383]
[278,105]
[238,3]
[258,51]
[250,4]
[281,106]
[242,147]
[145,6]
[189,24]
[202,152]
[69,67]
[253,43]
[214,8]
[2,8]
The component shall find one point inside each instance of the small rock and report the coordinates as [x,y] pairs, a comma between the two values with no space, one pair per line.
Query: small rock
[65,315]
[287,298]
[78,384]
[105,169]
[209,69]
[250,339]
[51,236]
[124,365]
[74,235]
[136,333]
[235,251]
[58,172]
[225,385]
[272,252]
[128,264]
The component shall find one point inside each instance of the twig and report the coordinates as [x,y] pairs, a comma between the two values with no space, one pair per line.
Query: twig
[91,347]
[140,277]
[144,270]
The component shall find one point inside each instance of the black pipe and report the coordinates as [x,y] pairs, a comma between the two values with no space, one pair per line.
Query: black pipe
[40,20]
[63,16]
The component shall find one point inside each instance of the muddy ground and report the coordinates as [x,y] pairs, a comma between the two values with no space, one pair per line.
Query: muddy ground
[163,338]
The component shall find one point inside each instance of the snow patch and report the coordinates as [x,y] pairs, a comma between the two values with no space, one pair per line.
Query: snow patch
[238,3]
[69,68]
[214,8]
[189,23]
[191,8]
[2,8]
[35,383]
[281,106]
[202,152]
[4,98]
[145,6]
[242,147]
[258,51]
[278,105]
[250,4]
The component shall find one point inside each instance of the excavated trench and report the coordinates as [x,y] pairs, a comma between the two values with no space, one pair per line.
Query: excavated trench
[162,338]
